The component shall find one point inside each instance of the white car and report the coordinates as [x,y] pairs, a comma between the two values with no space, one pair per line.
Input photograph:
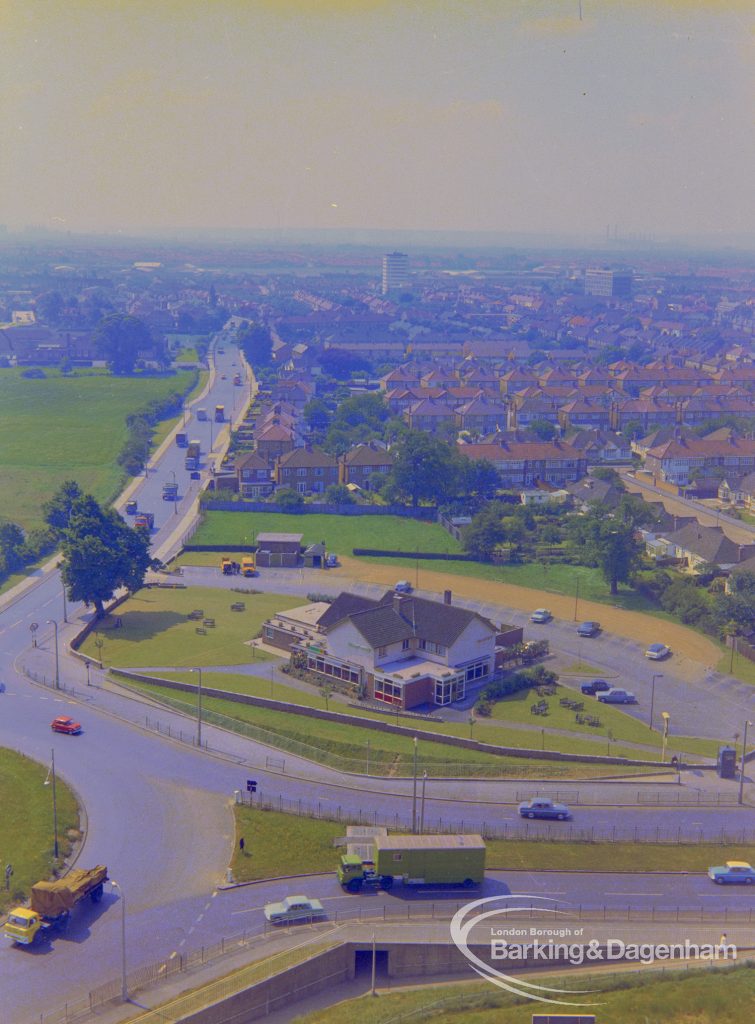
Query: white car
[541,615]
[294,908]
[656,652]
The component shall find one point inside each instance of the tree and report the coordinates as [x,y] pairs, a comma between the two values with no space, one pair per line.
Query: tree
[617,553]
[50,306]
[424,469]
[57,511]
[339,494]
[257,345]
[11,546]
[120,338]
[358,419]
[738,605]
[316,415]
[485,532]
[543,430]
[287,497]
[101,554]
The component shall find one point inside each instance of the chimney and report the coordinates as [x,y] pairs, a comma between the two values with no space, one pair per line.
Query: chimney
[446,597]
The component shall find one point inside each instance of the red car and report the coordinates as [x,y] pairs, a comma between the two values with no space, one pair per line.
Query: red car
[67,725]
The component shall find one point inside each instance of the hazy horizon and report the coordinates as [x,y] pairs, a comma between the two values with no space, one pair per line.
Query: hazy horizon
[482,117]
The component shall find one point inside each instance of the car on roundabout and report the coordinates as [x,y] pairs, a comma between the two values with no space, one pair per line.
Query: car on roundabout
[657,652]
[294,908]
[733,872]
[65,725]
[544,807]
[541,615]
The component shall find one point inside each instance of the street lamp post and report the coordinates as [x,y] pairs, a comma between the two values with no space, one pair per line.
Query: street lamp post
[666,718]
[52,622]
[124,982]
[422,805]
[88,663]
[51,778]
[199,706]
[414,791]
[744,762]
[576,595]
[656,675]
[175,492]
[65,609]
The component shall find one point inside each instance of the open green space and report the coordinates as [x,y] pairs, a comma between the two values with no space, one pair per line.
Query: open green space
[340,533]
[66,427]
[152,628]
[697,996]
[356,748]
[286,844]
[27,832]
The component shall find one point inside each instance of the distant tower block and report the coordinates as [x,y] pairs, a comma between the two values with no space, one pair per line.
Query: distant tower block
[395,271]
[616,284]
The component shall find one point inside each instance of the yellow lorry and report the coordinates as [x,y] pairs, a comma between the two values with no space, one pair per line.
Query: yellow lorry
[51,904]
[248,566]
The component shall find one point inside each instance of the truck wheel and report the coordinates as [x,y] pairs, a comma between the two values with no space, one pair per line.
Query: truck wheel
[468,883]
[96,894]
[386,882]
[354,885]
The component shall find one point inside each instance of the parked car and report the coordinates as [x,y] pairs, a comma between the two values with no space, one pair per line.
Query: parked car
[65,725]
[733,872]
[131,508]
[588,628]
[615,695]
[2,687]
[657,652]
[541,615]
[294,908]
[542,807]
[403,587]
[595,687]
[331,561]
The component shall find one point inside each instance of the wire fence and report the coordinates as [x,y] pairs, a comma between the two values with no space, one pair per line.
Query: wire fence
[418,912]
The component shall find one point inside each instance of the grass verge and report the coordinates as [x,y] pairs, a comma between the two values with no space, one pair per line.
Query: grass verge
[26,799]
[286,844]
[723,996]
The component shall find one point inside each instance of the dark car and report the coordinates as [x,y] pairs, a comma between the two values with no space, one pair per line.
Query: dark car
[596,686]
[588,628]
[131,508]
[542,807]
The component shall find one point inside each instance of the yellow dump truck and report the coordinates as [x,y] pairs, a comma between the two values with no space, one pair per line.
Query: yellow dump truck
[248,566]
[51,904]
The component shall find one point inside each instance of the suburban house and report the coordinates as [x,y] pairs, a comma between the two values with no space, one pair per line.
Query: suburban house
[601,446]
[306,470]
[523,464]
[738,490]
[273,441]
[401,650]
[697,546]
[675,461]
[364,463]
[253,475]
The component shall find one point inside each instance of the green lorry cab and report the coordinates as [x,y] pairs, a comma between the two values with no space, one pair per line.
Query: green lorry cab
[416,860]
[52,903]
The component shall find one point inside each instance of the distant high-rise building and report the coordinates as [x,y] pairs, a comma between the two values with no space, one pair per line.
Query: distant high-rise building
[616,284]
[395,271]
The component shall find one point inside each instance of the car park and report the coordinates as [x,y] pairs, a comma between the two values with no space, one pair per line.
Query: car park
[541,615]
[615,695]
[595,687]
[294,908]
[543,807]
[588,628]
[403,587]
[65,725]
[733,872]
[656,652]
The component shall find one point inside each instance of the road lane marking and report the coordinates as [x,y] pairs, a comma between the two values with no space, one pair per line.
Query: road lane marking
[634,893]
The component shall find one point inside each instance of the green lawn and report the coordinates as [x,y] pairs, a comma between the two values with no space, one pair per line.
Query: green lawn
[698,996]
[340,533]
[155,628]
[286,844]
[346,746]
[26,823]
[66,427]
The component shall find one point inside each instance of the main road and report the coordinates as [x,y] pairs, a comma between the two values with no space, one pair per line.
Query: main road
[158,812]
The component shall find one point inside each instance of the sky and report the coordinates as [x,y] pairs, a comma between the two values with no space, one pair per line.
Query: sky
[543,116]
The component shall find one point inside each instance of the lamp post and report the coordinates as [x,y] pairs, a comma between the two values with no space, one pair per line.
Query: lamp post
[742,769]
[666,718]
[199,706]
[51,778]
[422,805]
[656,675]
[52,622]
[88,663]
[414,791]
[124,983]
[175,492]
[65,609]
[576,595]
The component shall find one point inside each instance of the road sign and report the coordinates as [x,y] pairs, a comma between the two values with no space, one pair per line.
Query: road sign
[251,785]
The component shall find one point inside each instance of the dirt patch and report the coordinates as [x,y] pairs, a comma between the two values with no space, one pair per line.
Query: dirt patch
[638,626]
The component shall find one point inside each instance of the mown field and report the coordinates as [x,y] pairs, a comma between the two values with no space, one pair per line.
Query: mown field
[697,996]
[27,835]
[66,427]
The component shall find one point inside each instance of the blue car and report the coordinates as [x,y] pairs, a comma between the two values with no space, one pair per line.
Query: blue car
[588,629]
[733,872]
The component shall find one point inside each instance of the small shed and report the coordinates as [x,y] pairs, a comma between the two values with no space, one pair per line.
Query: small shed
[278,549]
[314,555]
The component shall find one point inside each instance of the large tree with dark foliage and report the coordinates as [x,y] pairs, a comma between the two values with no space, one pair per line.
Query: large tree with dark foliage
[257,345]
[119,339]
